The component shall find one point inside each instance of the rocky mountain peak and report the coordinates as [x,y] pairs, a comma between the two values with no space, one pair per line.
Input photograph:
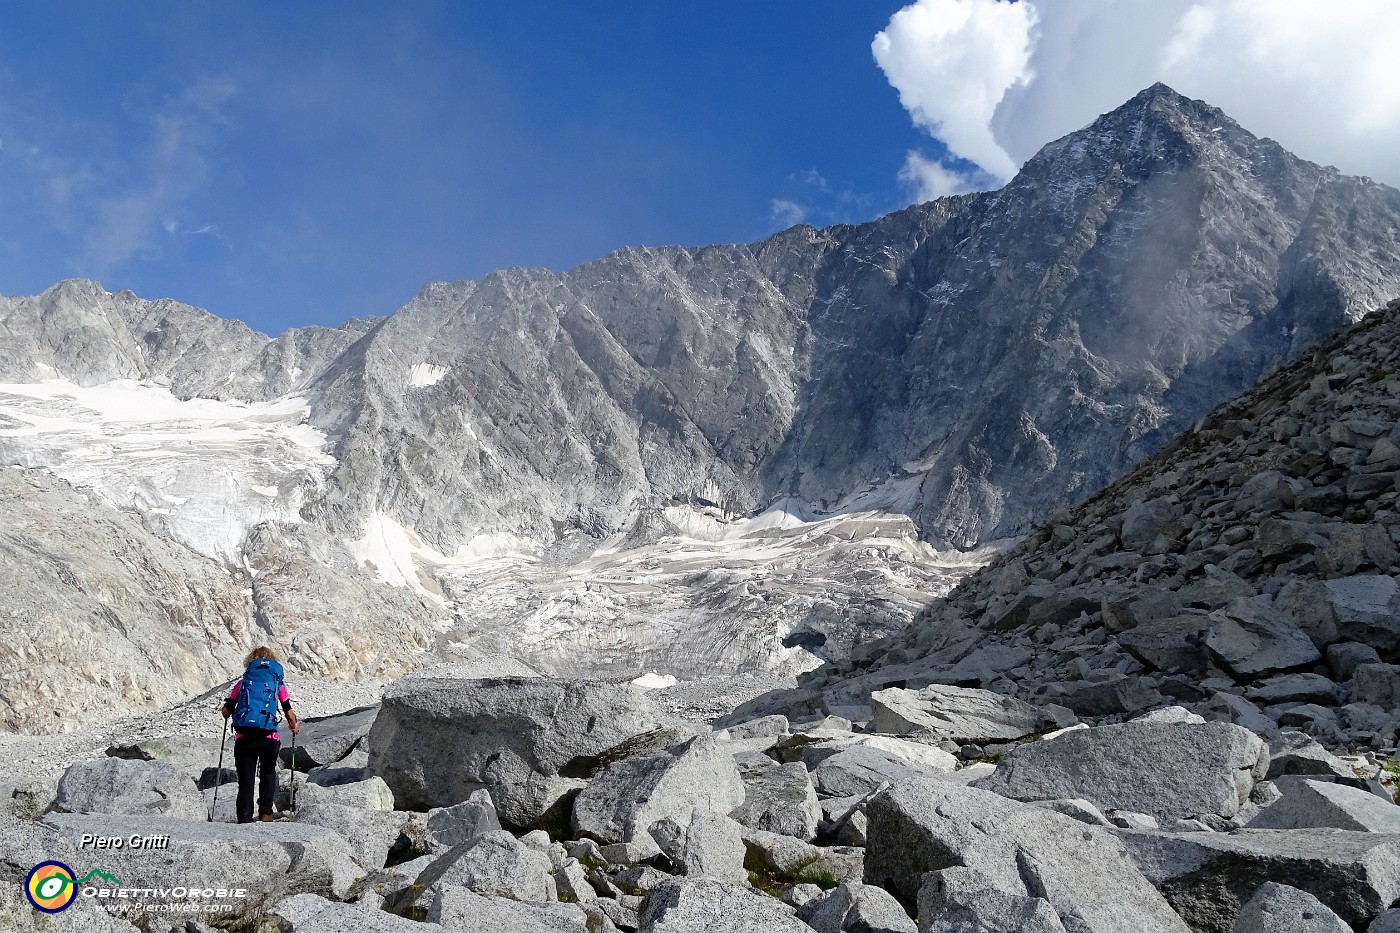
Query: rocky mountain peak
[952,372]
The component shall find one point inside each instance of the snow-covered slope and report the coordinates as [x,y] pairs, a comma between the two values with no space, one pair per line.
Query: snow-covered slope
[200,470]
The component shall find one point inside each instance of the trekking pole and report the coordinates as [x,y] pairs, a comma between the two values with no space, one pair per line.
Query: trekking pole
[219,775]
[294,772]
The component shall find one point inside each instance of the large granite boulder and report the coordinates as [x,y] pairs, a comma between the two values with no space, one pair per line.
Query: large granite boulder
[1083,871]
[311,913]
[495,864]
[1311,804]
[120,785]
[462,822]
[191,755]
[711,846]
[459,909]
[1277,908]
[527,741]
[861,769]
[958,714]
[956,900]
[780,799]
[627,797]
[714,907]
[324,740]
[856,908]
[371,794]
[1169,770]
[792,861]
[372,833]
[1208,877]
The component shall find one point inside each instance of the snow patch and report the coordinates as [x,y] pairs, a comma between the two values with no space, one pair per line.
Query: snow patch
[425,374]
[398,557]
[202,471]
[654,681]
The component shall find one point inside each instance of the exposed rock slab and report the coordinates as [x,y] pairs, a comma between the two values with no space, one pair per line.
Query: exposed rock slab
[1170,770]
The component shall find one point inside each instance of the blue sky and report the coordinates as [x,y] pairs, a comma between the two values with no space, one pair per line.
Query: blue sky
[294,163]
[303,162]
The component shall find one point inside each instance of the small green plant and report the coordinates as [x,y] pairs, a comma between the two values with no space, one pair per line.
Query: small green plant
[1390,769]
[766,883]
[597,862]
[773,882]
[820,876]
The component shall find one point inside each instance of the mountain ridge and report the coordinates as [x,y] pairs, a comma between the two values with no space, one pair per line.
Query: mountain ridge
[973,363]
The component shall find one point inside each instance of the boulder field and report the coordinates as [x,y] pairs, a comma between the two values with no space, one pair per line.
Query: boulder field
[505,805]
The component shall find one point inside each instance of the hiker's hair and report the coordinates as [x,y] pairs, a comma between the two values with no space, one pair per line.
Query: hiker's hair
[262,651]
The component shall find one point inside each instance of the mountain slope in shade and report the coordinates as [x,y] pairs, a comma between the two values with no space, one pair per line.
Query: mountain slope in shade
[1249,570]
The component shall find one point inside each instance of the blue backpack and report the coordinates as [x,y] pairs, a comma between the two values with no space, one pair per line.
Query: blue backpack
[256,707]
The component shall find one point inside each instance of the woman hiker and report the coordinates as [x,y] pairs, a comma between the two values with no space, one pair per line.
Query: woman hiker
[252,703]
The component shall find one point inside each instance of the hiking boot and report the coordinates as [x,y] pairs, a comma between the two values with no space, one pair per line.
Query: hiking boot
[267,818]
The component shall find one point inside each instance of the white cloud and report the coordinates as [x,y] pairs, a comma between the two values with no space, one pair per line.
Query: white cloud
[952,61]
[811,177]
[1316,77]
[786,213]
[929,179]
[173,168]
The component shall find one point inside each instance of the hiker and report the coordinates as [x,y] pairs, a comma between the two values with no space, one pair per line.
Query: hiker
[252,703]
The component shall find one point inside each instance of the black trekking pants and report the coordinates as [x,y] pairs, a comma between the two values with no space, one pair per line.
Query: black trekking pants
[250,752]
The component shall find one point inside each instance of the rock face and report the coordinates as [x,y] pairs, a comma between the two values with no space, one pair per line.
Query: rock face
[527,742]
[100,612]
[879,370]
